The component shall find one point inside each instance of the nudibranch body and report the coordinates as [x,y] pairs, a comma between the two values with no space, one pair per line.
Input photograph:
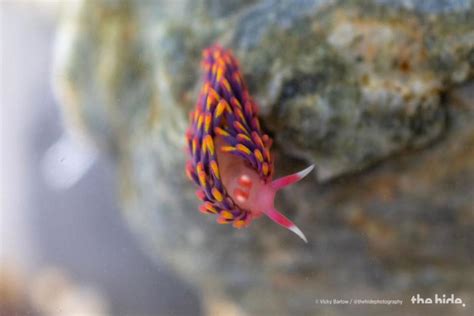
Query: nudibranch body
[229,155]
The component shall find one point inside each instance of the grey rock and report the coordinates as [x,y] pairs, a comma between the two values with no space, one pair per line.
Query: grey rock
[378,94]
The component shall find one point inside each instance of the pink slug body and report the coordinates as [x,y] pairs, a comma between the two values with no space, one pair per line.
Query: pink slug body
[229,156]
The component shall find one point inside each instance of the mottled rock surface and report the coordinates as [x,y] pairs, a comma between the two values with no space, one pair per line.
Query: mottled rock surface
[379,94]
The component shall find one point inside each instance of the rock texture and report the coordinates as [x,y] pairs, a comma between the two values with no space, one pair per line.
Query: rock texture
[377,93]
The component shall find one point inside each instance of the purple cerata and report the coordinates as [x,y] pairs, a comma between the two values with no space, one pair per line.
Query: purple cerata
[229,154]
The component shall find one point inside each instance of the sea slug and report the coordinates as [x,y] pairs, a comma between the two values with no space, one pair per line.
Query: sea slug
[229,155]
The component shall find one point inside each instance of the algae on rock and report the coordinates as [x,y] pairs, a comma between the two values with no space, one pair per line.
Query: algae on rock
[376,93]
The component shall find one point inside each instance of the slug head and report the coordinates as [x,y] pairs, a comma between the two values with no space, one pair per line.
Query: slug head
[253,193]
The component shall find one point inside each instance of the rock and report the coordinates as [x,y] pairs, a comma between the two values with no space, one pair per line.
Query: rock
[376,93]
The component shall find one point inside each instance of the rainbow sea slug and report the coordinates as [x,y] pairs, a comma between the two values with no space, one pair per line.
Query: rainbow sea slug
[229,154]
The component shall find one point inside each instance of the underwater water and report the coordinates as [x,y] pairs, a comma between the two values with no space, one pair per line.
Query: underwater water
[106,208]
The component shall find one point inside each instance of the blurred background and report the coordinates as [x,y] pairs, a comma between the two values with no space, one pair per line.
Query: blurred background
[64,247]
[97,217]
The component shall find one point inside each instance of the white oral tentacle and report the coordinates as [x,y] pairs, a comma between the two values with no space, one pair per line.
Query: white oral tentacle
[298,232]
[303,173]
